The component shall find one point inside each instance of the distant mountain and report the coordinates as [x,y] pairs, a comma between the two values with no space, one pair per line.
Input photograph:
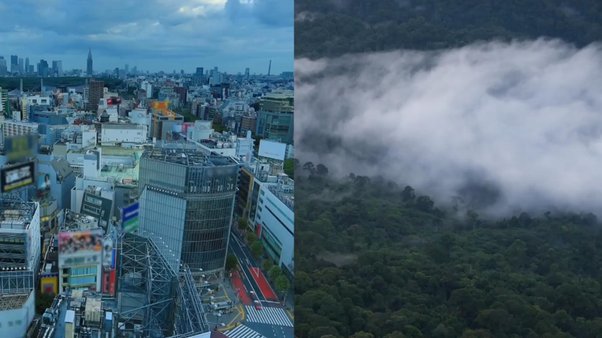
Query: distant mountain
[327,28]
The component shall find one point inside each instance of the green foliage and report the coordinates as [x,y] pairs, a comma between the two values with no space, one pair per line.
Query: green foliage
[256,249]
[289,167]
[267,264]
[282,284]
[231,262]
[333,28]
[43,301]
[251,237]
[243,224]
[275,272]
[420,271]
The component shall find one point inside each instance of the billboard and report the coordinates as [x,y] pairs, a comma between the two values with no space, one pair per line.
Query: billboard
[272,149]
[20,147]
[49,284]
[80,247]
[129,217]
[99,207]
[108,253]
[17,176]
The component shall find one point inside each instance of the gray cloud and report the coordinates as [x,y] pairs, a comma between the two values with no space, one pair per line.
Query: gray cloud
[154,34]
[509,126]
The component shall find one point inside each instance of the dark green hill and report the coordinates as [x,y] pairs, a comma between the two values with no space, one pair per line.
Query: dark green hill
[326,28]
[378,260]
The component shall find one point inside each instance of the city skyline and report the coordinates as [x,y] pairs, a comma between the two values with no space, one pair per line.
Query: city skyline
[230,34]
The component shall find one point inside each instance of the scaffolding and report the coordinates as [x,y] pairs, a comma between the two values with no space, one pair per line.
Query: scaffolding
[154,301]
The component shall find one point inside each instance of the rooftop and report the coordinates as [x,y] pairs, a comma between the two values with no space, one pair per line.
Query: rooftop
[188,157]
[16,215]
[10,302]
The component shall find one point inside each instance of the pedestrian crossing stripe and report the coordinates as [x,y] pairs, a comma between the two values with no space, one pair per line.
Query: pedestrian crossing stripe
[242,331]
[268,315]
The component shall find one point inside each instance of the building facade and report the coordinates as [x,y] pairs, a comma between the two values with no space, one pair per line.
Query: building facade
[186,206]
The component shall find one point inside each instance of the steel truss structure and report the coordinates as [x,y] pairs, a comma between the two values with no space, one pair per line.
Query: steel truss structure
[154,301]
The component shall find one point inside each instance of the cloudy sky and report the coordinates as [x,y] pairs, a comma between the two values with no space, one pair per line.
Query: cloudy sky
[152,34]
[508,127]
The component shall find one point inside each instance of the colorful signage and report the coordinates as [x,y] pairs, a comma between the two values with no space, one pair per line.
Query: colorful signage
[80,248]
[129,217]
[17,176]
[98,207]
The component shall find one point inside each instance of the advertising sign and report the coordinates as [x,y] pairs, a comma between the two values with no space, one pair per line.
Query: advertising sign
[272,149]
[81,247]
[20,147]
[129,217]
[99,207]
[107,252]
[17,176]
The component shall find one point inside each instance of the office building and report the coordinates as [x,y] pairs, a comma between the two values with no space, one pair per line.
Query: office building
[80,241]
[43,68]
[275,117]
[14,64]
[186,206]
[19,260]
[89,69]
[95,93]
[57,68]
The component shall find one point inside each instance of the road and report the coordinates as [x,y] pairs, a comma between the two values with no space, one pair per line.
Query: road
[272,320]
[246,261]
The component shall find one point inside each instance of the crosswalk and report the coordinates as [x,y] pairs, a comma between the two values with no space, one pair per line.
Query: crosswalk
[242,331]
[268,315]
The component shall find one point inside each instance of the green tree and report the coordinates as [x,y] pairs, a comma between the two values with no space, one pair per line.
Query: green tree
[243,224]
[256,249]
[43,301]
[282,284]
[289,167]
[275,272]
[251,238]
[231,262]
[267,264]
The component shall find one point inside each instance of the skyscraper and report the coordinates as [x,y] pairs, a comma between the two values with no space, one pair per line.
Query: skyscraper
[27,65]
[186,206]
[14,63]
[43,68]
[96,91]
[3,68]
[57,68]
[21,66]
[89,69]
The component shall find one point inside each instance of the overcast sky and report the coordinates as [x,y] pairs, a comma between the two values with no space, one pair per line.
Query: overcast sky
[510,127]
[152,34]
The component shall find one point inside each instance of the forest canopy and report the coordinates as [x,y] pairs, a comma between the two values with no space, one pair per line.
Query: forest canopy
[328,28]
[381,260]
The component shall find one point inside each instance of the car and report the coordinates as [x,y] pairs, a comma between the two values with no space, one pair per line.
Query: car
[257,305]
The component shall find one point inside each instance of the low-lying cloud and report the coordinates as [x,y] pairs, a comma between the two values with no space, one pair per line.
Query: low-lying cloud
[509,126]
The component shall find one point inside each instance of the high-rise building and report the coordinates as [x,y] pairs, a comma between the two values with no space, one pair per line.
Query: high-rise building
[27,65]
[19,260]
[21,66]
[247,73]
[14,63]
[57,68]
[89,69]
[275,117]
[186,206]
[95,93]
[3,68]
[43,68]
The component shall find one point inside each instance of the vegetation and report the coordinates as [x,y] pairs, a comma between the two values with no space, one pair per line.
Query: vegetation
[43,301]
[231,262]
[33,83]
[289,167]
[243,224]
[256,249]
[380,260]
[332,28]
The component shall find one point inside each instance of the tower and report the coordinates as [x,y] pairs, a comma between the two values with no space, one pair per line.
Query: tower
[89,69]
[270,68]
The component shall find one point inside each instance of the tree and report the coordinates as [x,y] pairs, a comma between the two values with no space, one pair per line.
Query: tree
[43,301]
[408,194]
[289,167]
[309,167]
[243,223]
[275,272]
[256,249]
[282,284]
[321,170]
[251,238]
[231,262]
[267,264]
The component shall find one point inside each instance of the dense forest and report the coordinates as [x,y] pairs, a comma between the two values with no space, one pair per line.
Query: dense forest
[380,260]
[326,28]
